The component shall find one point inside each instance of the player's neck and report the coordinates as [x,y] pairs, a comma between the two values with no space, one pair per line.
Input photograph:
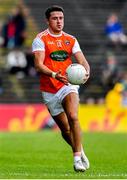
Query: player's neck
[54,33]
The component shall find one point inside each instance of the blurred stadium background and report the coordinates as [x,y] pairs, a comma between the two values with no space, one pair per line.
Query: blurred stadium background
[19,93]
[21,109]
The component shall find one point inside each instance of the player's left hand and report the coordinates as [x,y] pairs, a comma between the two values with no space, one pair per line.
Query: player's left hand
[61,78]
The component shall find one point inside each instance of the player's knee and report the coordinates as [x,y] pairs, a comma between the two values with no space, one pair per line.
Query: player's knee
[73,117]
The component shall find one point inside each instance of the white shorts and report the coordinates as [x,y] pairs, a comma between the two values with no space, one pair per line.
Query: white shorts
[54,101]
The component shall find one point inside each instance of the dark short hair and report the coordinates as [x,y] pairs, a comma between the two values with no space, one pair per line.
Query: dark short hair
[51,9]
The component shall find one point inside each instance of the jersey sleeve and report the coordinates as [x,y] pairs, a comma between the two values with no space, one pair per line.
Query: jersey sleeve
[76,47]
[38,45]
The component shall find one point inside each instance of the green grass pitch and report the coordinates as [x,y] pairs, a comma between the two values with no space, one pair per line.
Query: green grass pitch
[44,155]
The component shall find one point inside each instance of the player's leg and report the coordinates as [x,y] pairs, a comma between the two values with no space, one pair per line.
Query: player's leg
[70,105]
[62,122]
[56,110]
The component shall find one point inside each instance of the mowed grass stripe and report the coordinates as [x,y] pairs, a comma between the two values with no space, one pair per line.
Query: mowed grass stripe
[45,155]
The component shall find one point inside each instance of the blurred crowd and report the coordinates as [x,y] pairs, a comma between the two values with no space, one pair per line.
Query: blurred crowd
[20,62]
[13,30]
[113,79]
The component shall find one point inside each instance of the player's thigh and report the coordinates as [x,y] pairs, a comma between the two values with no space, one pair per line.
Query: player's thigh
[62,122]
[70,104]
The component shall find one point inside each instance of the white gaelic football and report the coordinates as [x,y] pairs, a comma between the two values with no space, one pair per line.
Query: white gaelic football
[76,74]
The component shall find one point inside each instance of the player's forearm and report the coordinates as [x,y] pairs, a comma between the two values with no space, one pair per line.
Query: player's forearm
[44,69]
[86,65]
[82,60]
[39,65]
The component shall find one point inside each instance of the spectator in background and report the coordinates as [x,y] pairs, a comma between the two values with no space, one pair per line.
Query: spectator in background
[20,23]
[30,62]
[8,32]
[114,98]
[110,73]
[17,63]
[14,29]
[114,30]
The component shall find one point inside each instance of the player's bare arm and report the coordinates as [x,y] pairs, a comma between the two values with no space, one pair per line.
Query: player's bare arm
[40,67]
[79,56]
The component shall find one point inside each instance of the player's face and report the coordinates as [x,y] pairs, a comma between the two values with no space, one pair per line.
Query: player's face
[56,22]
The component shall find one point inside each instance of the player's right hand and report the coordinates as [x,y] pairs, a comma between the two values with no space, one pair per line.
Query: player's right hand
[61,78]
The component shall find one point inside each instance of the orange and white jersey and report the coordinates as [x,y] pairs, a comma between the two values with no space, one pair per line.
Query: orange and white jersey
[58,51]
